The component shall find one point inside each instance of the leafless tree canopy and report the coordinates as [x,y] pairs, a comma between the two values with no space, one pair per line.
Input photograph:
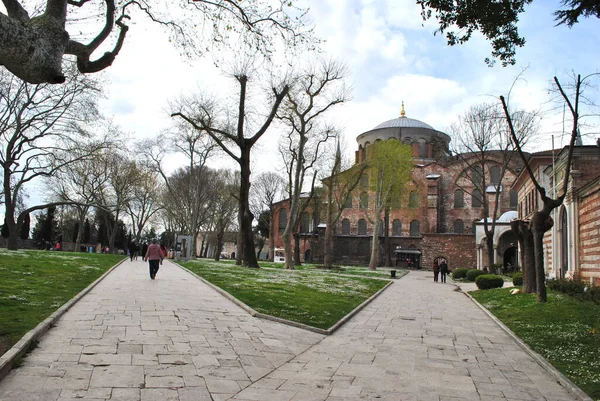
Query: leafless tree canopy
[33,47]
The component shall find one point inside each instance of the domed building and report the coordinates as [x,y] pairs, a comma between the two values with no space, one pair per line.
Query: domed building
[434,218]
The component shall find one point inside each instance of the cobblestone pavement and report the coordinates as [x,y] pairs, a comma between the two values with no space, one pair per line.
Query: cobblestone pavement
[175,339]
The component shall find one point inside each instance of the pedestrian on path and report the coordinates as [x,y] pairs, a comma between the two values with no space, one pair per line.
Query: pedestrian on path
[153,256]
[436,271]
[443,270]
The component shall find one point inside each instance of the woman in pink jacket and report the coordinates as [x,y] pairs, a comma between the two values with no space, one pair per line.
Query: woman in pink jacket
[154,256]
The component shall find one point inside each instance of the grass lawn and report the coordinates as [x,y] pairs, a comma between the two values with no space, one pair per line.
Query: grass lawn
[309,296]
[381,272]
[564,330]
[36,283]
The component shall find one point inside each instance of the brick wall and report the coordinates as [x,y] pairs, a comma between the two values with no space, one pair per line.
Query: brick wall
[458,249]
[589,236]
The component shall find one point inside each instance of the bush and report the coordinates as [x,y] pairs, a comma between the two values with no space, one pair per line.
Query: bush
[575,288]
[517,279]
[460,273]
[487,281]
[473,274]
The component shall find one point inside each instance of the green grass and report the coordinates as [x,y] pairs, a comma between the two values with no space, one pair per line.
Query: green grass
[36,283]
[381,272]
[564,331]
[309,296]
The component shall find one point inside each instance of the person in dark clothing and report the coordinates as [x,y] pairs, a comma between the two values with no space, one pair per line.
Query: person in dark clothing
[153,256]
[436,271]
[144,249]
[132,250]
[443,270]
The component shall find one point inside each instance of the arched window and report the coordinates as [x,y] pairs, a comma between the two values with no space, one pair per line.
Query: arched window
[459,227]
[413,200]
[305,223]
[514,199]
[459,199]
[415,228]
[282,220]
[364,180]
[397,227]
[477,176]
[422,148]
[348,203]
[345,227]
[476,199]
[494,175]
[362,227]
[407,141]
[364,200]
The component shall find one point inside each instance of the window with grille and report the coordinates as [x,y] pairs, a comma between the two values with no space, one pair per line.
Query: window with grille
[362,227]
[459,199]
[397,227]
[345,227]
[415,228]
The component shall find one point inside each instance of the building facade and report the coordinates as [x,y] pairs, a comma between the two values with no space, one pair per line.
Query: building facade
[572,245]
[435,216]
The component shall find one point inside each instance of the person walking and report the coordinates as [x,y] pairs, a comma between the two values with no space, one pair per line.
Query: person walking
[443,270]
[153,256]
[436,271]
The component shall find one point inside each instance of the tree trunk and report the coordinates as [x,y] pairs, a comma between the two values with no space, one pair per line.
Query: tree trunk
[249,259]
[386,238]
[271,235]
[527,258]
[540,223]
[219,246]
[297,261]
[489,242]
[375,244]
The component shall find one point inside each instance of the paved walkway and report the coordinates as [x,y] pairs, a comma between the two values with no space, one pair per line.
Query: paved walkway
[175,339]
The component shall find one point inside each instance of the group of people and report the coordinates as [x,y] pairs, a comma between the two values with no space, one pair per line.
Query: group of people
[440,270]
[153,254]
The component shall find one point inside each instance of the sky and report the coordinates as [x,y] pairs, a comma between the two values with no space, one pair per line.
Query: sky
[393,57]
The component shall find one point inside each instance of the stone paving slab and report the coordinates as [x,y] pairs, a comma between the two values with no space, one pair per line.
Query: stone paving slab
[174,338]
[135,339]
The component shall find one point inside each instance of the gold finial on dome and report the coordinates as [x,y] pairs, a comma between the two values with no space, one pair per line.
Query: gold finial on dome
[402,113]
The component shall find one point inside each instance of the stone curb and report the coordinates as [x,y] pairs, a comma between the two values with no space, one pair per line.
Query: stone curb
[562,379]
[254,313]
[8,359]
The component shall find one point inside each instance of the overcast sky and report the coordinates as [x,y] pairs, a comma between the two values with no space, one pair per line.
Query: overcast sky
[392,56]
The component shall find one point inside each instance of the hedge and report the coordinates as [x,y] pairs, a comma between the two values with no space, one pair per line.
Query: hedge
[488,281]
[473,274]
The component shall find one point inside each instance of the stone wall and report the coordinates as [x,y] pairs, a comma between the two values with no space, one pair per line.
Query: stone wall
[589,235]
[458,249]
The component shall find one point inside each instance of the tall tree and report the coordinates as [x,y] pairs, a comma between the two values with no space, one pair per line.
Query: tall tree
[316,90]
[483,144]
[226,189]
[338,190]
[496,20]
[390,164]
[541,221]
[145,199]
[41,132]
[33,48]
[268,189]
[204,115]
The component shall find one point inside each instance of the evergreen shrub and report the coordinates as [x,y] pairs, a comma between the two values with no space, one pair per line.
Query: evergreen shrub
[517,279]
[461,272]
[473,274]
[488,281]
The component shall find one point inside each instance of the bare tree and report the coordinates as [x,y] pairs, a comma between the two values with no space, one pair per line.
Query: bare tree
[484,146]
[268,189]
[41,132]
[206,116]
[316,91]
[338,189]
[541,221]
[144,203]
[225,190]
[33,48]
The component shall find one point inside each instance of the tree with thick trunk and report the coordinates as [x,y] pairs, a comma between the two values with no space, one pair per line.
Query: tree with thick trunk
[541,221]
[390,164]
[205,116]
[34,48]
